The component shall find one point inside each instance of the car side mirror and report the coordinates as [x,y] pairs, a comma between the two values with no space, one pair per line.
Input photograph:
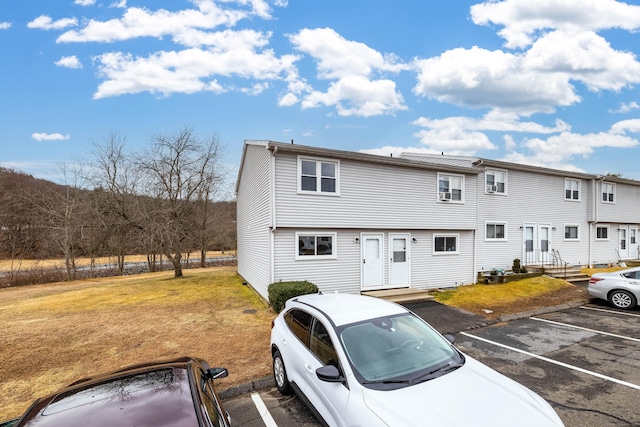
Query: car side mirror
[329,373]
[215,373]
[450,338]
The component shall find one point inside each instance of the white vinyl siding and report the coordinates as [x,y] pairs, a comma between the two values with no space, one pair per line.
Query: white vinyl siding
[254,219]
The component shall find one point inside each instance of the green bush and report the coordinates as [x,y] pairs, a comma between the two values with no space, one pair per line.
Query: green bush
[517,268]
[280,292]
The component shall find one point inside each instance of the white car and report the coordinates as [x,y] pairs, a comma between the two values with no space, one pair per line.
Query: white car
[363,361]
[621,288]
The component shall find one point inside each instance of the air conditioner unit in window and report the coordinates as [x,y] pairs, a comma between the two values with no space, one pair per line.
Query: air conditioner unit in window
[445,196]
[492,188]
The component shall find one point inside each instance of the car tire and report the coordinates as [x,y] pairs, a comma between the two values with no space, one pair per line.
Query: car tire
[280,374]
[622,299]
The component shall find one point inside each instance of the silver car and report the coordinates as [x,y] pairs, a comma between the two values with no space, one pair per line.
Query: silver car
[621,288]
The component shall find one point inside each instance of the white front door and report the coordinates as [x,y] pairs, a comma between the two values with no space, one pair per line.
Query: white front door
[633,243]
[544,243]
[528,250]
[399,260]
[623,242]
[372,261]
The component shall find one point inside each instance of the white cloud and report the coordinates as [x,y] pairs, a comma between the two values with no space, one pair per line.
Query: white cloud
[626,107]
[69,62]
[84,2]
[353,66]
[186,71]
[491,79]
[44,22]
[287,100]
[49,136]
[181,25]
[524,20]
[624,126]
[121,4]
[5,25]
[358,96]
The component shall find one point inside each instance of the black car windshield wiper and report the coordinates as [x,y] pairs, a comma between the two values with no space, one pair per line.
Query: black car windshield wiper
[451,366]
[388,382]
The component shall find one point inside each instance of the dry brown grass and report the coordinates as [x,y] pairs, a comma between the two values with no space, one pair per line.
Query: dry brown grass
[56,333]
[497,300]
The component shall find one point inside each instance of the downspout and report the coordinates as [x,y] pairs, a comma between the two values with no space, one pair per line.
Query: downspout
[272,202]
[594,223]
[479,187]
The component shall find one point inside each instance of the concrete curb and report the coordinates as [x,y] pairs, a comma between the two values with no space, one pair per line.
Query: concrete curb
[259,384]
[268,382]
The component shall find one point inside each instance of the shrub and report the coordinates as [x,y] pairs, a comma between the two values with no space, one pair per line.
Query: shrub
[280,292]
[517,268]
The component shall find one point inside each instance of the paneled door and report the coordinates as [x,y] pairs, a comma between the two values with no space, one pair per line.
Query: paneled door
[372,261]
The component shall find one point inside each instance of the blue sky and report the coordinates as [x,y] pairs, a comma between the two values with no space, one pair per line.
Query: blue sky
[551,83]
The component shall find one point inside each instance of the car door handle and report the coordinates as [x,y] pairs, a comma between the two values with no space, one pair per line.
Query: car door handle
[283,341]
[309,368]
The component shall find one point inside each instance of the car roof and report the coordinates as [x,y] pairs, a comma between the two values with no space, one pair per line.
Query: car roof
[142,395]
[344,309]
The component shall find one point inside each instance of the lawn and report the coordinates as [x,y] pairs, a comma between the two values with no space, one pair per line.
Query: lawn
[56,333]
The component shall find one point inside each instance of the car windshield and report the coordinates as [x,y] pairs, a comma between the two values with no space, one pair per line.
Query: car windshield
[397,349]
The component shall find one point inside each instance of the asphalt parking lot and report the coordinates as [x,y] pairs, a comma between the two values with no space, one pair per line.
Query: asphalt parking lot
[584,361]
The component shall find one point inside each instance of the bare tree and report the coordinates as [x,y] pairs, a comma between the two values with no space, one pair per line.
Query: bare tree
[180,174]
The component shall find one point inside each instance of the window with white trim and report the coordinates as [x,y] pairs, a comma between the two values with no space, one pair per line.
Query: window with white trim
[632,236]
[450,187]
[318,176]
[496,181]
[608,192]
[445,244]
[496,231]
[571,232]
[571,189]
[315,245]
[602,232]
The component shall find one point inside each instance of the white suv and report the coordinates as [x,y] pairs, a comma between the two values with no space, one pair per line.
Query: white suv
[362,361]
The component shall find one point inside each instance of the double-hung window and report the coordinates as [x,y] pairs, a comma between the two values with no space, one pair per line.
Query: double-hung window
[608,192]
[318,176]
[450,187]
[496,231]
[571,189]
[445,244]
[315,245]
[496,181]
[571,232]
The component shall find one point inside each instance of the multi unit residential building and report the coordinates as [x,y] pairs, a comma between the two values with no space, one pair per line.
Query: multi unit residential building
[353,222]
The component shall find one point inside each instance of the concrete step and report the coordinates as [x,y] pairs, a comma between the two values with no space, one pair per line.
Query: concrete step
[400,295]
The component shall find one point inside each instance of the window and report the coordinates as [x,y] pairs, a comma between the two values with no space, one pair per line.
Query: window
[496,181]
[315,245]
[496,231]
[321,344]
[318,176]
[571,189]
[632,236]
[445,244]
[300,323]
[608,192]
[450,187]
[602,233]
[571,232]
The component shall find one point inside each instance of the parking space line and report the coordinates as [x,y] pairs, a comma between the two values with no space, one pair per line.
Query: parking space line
[264,412]
[610,311]
[555,362]
[585,329]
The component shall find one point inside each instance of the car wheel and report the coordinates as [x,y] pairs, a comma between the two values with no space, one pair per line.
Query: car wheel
[622,299]
[280,374]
